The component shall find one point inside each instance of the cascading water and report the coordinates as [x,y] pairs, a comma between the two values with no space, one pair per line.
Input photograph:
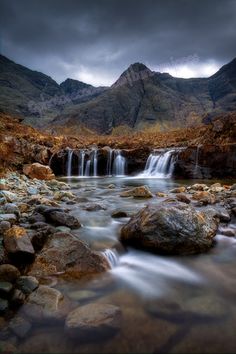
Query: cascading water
[109,162]
[196,168]
[112,257]
[95,162]
[69,162]
[81,163]
[87,168]
[160,164]
[119,164]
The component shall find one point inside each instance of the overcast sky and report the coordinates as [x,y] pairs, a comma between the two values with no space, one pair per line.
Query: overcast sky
[96,40]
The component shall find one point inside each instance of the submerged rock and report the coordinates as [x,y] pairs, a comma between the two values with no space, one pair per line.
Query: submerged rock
[93,321]
[64,253]
[138,192]
[171,229]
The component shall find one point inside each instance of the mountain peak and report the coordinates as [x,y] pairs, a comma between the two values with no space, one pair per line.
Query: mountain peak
[135,72]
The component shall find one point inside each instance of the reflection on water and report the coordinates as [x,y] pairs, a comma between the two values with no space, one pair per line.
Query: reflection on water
[168,304]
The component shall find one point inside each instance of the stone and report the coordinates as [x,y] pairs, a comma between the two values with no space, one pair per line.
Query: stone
[93,321]
[94,207]
[9,196]
[36,170]
[23,207]
[20,326]
[8,217]
[3,305]
[111,186]
[32,190]
[36,217]
[44,303]
[9,273]
[183,198]
[223,215]
[5,288]
[204,197]
[7,348]
[27,284]
[227,231]
[119,214]
[11,208]
[39,237]
[161,195]
[199,187]
[62,229]
[138,192]
[178,190]
[234,211]
[81,295]
[17,242]
[171,229]
[233,187]
[65,253]
[4,226]
[18,297]
[60,218]
[63,195]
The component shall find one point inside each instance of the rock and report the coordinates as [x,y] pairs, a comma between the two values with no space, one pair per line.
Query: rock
[111,186]
[216,188]
[183,198]
[18,297]
[44,303]
[32,190]
[161,195]
[94,207]
[9,273]
[138,192]
[27,284]
[36,170]
[3,305]
[20,326]
[60,218]
[11,208]
[227,231]
[223,215]
[93,321]
[204,197]
[178,190]
[64,253]
[4,226]
[8,217]
[23,207]
[119,214]
[233,187]
[5,288]
[234,211]
[81,295]
[170,229]
[41,235]
[9,196]
[63,195]
[17,243]
[199,187]
[62,229]
[37,217]
[7,348]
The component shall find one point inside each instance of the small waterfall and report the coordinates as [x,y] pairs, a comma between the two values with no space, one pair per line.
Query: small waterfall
[87,168]
[69,162]
[112,257]
[81,163]
[159,164]
[196,168]
[119,164]
[109,162]
[95,162]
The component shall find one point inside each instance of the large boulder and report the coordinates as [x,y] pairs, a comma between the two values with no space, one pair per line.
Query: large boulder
[171,229]
[36,170]
[17,243]
[93,321]
[60,218]
[64,253]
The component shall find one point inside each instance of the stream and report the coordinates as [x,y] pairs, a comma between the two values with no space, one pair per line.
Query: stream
[169,304]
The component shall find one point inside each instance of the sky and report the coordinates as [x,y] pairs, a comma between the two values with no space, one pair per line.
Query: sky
[96,40]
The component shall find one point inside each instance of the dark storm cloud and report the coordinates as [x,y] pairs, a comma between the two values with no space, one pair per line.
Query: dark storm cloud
[95,40]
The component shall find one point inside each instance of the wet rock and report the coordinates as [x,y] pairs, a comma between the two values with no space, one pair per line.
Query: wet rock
[111,186]
[36,170]
[178,190]
[183,198]
[11,208]
[8,217]
[81,295]
[8,196]
[161,195]
[60,218]
[199,187]
[227,231]
[9,273]
[27,284]
[44,303]
[170,229]
[62,229]
[32,190]
[93,321]
[4,226]
[138,192]
[204,197]
[5,288]
[94,207]
[63,195]
[18,297]
[20,326]
[37,217]
[223,215]
[3,305]
[23,207]
[216,188]
[64,253]
[17,243]
[119,214]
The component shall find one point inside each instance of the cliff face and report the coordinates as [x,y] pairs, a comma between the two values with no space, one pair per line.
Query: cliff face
[139,98]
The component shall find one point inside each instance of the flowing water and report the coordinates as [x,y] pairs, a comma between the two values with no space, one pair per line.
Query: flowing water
[169,304]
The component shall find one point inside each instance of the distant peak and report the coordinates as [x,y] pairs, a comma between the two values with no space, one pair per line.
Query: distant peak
[135,72]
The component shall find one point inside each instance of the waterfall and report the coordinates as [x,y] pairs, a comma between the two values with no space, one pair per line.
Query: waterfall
[119,164]
[196,168]
[69,162]
[95,162]
[81,163]
[87,168]
[109,162]
[112,257]
[159,164]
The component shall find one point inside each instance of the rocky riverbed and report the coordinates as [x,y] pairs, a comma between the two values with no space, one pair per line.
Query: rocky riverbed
[42,244]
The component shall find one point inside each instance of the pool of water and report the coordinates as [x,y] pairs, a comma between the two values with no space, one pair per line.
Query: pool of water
[168,304]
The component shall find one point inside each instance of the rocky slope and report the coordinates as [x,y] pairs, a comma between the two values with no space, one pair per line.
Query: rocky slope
[139,98]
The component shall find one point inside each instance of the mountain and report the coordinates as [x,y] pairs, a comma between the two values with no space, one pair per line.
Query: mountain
[139,98]
[35,96]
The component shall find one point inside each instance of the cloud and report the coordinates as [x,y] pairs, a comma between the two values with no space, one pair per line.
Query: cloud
[96,40]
